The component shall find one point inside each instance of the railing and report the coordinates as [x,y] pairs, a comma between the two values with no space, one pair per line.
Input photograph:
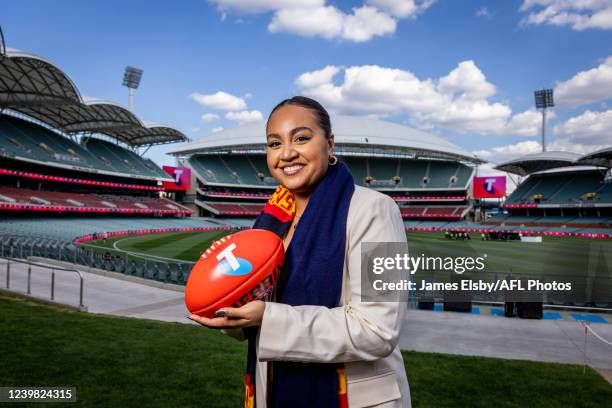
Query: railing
[91,256]
[10,261]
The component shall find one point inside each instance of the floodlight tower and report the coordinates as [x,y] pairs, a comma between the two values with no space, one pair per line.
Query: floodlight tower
[543,100]
[2,45]
[131,80]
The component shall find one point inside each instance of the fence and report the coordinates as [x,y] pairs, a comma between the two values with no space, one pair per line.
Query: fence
[8,262]
[163,270]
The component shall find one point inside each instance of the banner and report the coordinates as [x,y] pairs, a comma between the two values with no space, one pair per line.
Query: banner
[181,176]
[490,187]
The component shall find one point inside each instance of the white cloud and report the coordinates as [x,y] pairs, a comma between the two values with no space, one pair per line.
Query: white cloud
[484,13]
[501,154]
[586,87]
[220,100]
[323,22]
[209,117]
[459,100]
[402,8]
[468,79]
[217,129]
[316,18]
[578,14]
[329,22]
[317,78]
[589,128]
[527,123]
[365,23]
[244,116]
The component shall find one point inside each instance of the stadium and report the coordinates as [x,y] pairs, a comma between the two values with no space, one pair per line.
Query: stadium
[76,191]
[64,156]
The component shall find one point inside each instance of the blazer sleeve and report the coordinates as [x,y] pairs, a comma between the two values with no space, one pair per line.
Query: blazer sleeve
[351,332]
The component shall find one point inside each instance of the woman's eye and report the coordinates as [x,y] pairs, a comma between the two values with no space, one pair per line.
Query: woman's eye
[273,144]
[302,138]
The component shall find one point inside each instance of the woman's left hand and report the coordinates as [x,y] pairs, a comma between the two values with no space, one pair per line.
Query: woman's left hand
[248,315]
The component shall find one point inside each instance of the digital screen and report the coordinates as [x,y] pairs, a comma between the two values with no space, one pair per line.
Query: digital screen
[490,187]
[181,176]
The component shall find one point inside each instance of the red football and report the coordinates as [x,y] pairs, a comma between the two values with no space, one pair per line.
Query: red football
[235,269]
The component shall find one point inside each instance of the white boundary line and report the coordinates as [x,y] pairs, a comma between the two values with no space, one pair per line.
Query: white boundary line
[139,254]
[597,335]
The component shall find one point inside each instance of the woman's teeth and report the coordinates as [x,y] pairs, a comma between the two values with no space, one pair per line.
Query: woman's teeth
[291,170]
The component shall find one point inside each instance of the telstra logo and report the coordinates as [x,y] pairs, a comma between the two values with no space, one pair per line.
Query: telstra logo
[229,264]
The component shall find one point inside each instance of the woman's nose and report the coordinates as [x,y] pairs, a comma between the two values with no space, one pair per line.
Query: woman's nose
[288,153]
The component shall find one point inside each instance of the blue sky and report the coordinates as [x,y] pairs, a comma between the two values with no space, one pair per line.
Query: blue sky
[465,70]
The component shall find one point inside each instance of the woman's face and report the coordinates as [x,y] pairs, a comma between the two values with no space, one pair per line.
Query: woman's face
[297,149]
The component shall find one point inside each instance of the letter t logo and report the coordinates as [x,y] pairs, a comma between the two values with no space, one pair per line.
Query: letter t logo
[229,255]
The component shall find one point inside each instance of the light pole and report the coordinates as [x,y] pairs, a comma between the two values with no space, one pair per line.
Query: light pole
[2,45]
[131,80]
[543,100]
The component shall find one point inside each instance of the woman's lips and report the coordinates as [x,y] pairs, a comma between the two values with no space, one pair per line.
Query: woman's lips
[291,170]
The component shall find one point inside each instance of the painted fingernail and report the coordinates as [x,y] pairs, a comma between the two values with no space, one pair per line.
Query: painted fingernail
[220,313]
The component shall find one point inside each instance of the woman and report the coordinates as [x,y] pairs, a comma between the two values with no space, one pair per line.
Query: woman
[317,316]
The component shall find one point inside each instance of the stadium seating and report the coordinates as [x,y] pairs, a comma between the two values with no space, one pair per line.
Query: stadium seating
[234,208]
[24,199]
[22,139]
[418,174]
[382,169]
[67,229]
[440,174]
[212,169]
[433,212]
[358,168]
[412,173]
[122,160]
[562,189]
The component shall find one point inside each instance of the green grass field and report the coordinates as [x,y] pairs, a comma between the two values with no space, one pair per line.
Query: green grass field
[556,258]
[576,252]
[125,362]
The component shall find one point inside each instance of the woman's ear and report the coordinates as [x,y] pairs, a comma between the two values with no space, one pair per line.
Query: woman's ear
[330,143]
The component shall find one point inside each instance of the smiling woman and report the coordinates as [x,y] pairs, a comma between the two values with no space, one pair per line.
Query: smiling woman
[315,314]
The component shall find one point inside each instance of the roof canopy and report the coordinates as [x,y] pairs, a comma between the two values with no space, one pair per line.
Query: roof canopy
[39,89]
[601,158]
[533,163]
[352,134]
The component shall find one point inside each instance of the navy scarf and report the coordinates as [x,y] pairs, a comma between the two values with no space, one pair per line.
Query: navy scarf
[311,275]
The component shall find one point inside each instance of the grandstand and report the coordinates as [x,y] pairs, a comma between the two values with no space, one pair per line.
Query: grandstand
[562,194]
[426,175]
[63,154]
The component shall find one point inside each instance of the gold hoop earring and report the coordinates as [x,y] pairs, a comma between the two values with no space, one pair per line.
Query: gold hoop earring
[333,160]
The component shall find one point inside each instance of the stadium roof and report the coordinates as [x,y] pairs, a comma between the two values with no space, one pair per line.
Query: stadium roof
[35,87]
[26,79]
[533,163]
[601,157]
[352,134]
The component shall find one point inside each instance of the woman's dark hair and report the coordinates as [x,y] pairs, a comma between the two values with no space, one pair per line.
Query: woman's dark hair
[319,111]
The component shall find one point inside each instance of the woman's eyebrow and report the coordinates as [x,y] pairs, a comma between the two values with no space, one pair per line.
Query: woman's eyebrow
[297,129]
[291,133]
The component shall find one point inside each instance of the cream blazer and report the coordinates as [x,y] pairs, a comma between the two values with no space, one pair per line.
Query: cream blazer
[364,336]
